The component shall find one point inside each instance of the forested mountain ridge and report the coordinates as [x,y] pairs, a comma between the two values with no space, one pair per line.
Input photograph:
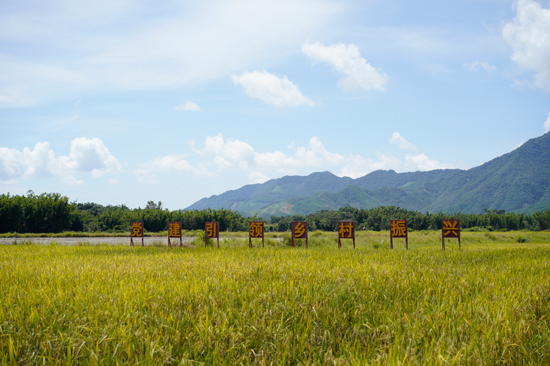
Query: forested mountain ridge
[517,181]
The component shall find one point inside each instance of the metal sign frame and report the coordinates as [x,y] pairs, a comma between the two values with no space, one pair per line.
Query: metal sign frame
[450,229]
[303,235]
[172,234]
[252,225]
[396,226]
[135,234]
[346,227]
[215,234]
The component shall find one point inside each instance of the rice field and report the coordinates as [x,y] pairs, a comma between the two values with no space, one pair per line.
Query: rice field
[486,304]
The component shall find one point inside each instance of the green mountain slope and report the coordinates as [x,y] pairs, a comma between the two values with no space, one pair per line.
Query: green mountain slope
[518,181]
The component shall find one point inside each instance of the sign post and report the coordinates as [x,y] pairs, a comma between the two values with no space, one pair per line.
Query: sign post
[346,230]
[299,231]
[136,231]
[255,230]
[174,231]
[211,230]
[399,229]
[450,228]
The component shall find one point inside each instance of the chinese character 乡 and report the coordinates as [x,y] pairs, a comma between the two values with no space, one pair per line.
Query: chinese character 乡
[299,230]
[257,229]
[211,230]
[398,228]
[449,228]
[344,229]
[174,229]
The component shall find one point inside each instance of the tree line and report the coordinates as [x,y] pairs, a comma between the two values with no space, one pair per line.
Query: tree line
[53,213]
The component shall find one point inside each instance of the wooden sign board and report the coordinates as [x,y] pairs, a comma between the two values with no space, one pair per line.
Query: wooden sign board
[450,228]
[136,231]
[299,231]
[346,230]
[211,230]
[255,230]
[399,229]
[174,231]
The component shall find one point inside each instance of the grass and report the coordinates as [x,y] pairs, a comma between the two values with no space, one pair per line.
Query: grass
[488,303]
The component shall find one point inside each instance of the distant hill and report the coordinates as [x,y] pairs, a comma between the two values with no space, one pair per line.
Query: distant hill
[518,181]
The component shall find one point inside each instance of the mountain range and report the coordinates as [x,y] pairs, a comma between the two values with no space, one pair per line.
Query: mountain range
[517,181]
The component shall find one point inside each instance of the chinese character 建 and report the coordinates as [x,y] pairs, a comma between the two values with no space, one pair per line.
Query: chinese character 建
[450,227]
[398,228]
[257,229]
[299,230]
[174,229]
[136,229]
[345,230]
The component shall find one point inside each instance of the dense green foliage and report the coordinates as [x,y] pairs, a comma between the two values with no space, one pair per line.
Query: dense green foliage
[53,213]
[487,304]
[378,218]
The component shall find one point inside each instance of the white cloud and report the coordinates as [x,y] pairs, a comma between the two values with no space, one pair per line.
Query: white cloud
[112,181]
[476,66]
[99,45]
[547,123]
[86,155]
[188,106]
[146,177]
[347,60]
[222,154]
[403,144]
[271,89]
[529,36]
[71,180]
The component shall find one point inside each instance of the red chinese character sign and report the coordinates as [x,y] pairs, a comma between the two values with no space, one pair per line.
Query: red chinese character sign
[346,230]
[211,230]
[399,229]
[299,231]
[255,230]
[174,231]
[450,228]
[136,231]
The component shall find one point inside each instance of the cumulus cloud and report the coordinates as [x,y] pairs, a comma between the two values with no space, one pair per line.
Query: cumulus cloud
[271,89]
[403,144]
[86,155]
[188,106]
[477,65]
[146,177]
[221,154]
[347,60]
[529,36]
[547,123]
[181,43]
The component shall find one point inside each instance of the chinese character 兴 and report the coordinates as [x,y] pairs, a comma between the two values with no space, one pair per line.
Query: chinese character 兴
[450,228]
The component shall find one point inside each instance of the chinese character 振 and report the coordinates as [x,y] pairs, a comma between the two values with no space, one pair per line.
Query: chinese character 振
[398,228]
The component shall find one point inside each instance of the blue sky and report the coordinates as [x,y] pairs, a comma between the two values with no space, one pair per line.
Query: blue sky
[122,102]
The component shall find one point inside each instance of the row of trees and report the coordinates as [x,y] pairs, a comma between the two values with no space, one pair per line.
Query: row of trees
[379,219]
[51,212]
